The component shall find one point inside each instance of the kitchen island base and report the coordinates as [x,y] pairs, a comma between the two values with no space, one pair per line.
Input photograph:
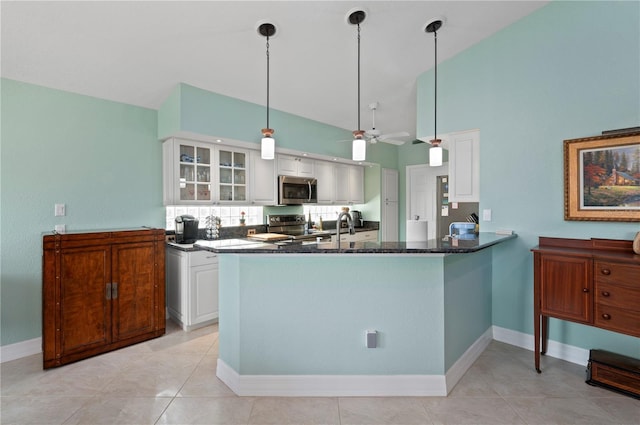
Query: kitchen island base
[295,325]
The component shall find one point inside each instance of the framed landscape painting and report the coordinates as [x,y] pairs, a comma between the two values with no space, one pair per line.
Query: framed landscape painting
[602,178]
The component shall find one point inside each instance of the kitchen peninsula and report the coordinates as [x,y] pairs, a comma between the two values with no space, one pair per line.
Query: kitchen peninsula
[294,319]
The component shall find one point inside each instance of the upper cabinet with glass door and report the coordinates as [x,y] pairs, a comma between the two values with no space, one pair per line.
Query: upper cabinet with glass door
[187,172]
[232,175]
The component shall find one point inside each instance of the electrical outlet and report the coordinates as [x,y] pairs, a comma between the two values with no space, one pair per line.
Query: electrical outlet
[486,215]
[251,232]
[60,228]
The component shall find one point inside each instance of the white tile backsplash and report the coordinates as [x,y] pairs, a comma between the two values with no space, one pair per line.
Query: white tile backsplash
[229,216]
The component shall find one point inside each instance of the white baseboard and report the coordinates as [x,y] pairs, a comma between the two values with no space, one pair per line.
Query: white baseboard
[454,374]
[555,349]
[331,385]
[460,367]
[352,385]
[20,349]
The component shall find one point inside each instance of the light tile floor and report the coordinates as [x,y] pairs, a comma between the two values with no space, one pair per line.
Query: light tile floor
[171,380]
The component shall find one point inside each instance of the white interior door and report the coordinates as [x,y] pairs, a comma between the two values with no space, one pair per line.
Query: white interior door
[421,194]
[390,206]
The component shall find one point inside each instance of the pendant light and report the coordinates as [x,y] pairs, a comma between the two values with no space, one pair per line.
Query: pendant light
[359,145]
[435,152]
[267,144]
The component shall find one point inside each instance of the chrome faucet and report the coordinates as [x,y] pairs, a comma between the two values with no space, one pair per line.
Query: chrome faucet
[352,230]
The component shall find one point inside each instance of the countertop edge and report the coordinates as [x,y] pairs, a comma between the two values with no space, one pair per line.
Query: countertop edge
[356,247]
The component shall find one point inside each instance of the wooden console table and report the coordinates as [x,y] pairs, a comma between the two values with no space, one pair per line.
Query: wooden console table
[595,282]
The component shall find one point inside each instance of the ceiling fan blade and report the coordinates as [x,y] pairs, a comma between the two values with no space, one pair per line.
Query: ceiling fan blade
[394,135]
[392,142]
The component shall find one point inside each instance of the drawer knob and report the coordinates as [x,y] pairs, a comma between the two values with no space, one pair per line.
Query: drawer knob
[606,272]
[585,290]
[606,316]
[605,294]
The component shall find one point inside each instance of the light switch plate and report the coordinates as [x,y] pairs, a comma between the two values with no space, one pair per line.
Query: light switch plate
[60,210]
[60,228]
[486,215]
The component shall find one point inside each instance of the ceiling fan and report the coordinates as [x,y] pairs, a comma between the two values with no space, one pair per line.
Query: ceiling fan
[374,135]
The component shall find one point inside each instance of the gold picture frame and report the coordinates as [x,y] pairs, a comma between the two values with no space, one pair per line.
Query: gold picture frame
[602,178]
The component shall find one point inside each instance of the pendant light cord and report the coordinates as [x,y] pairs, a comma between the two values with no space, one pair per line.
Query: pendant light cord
[435,88]
[358,76]
[268,81]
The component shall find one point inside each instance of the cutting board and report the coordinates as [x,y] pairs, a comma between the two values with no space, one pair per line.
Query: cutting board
[269,237]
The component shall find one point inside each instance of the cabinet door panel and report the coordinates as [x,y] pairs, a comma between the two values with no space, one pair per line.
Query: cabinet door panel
[204,293]
[134,305]
[85,314]
[566,288]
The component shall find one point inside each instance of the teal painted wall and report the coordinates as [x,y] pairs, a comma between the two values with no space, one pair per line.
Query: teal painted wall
[212,114]
[169,114]
[467,300]
[428,310]
[312,318]
[551,76]
[100,158]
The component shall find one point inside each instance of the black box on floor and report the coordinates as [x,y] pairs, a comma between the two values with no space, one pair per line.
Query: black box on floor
[615,372]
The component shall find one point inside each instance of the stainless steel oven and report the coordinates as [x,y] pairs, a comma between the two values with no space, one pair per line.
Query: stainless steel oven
[296,227]
[297,190]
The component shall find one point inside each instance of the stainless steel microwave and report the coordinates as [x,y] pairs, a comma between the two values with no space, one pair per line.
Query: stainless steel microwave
[297,190]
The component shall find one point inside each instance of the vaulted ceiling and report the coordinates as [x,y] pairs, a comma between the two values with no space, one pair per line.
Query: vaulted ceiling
[136,52]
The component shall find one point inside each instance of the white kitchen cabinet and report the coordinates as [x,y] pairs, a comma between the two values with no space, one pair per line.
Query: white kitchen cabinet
[326,190]
[349,180]
[356,184]
[231,175]
[365,236]
[192,287]
[187,172]
[263,189]
[295,166]
[464,166]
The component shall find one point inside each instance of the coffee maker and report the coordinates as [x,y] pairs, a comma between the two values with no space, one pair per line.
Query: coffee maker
[186,229]
[356,216]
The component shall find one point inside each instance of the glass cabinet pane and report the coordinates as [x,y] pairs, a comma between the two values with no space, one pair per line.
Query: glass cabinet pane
[187,193]
[239,160]
[203,156]
[194,179]
[232,175]
[186,172]
[187,153]
[239,193]
[204,192]
[226,159]
[204,174]
[226,175]
[238,176]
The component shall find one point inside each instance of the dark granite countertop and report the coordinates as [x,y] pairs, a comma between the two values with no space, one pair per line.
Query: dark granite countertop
[433,246]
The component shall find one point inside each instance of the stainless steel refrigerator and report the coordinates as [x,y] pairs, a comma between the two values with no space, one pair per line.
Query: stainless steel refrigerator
[446,214]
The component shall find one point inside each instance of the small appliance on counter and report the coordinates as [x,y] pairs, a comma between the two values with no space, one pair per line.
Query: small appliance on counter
[186,229]
[462,230]
[356,216]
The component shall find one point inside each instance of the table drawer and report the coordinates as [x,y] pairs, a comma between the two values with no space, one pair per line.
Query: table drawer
[617,319]
[623,274]
[618,296]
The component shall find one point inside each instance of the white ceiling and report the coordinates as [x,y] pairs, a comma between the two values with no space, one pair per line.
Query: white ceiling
[136,52]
